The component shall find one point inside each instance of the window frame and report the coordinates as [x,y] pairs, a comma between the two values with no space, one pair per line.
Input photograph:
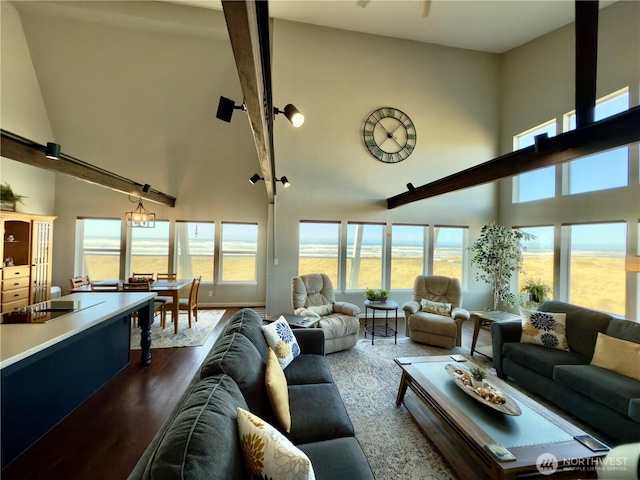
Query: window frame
[221,253]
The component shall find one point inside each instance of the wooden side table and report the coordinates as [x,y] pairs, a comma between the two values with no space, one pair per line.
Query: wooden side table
[386,307]
[484,319]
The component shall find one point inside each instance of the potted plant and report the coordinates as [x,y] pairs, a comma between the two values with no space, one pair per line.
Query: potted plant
[498,255]
[8,199]
[374,295]
[477,377]
[538,292]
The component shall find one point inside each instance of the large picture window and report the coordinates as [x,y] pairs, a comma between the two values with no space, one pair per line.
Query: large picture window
[98,248]
[537,184]
[537,257]
[596,269]
[407,254]
[364,256]
[448,252]
[318,249]
[149,249]
[195,242]
[238,253]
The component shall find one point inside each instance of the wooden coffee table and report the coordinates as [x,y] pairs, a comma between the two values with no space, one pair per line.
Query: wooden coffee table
[460,427]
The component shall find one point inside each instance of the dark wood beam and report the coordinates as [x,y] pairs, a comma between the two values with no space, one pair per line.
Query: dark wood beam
[247,26]
[586,59]
[26,151]
[616,131]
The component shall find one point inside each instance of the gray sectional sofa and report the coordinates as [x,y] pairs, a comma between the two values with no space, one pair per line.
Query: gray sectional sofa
[200,438]
[606,400]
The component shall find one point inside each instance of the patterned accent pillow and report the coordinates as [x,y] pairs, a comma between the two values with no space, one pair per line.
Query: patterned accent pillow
[268,453]
[435,307]
[277,391]
[322,309]
[544,328]
[282,340]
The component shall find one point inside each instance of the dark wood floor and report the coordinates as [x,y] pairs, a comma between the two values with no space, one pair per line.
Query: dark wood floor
[105,436]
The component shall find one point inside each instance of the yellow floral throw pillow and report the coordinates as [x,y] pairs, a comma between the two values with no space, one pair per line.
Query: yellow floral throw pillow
[438,308]
[282,340]
[544,328]
[269,454]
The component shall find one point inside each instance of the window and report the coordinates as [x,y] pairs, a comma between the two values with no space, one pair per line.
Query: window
[98,251]
[596,269]
[239,250]
[407,254]
[606,169]
[537,184]
[149,248]
[195,243]
[364,256]
[449,244]
[537,256]
[318,249]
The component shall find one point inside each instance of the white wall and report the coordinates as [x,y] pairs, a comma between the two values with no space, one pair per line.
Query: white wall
[23,113]
[337,78]
[538,84]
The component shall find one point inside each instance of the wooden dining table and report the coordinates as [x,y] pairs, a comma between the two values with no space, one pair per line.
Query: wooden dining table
[164,288]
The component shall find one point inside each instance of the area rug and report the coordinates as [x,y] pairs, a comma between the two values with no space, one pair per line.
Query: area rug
[368,381]
[186,337]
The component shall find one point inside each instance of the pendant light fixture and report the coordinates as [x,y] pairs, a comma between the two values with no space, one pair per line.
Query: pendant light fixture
[141,217]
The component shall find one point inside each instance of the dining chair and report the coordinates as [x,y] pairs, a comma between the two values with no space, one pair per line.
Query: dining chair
[80,281]
[189,304]
[167,276]
[158,305]
[105,286]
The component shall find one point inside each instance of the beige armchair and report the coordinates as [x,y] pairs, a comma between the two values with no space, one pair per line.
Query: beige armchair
[432,323]
[312,296]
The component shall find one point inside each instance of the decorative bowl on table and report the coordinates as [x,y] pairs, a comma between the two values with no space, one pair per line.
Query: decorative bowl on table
[141,280]
[487,394]
[377,295]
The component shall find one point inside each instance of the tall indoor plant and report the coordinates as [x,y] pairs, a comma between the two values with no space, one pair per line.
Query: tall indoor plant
[498,255]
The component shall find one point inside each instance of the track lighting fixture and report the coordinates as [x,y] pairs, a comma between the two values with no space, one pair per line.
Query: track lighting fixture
[53,151]
[146,187]
[255,178]
[292,114]
[226,106]
[285,182]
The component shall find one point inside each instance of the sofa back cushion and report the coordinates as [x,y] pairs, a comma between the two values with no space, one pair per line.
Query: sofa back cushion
[248,323]
[583,325]
[624,330]
[202,440]
[236,356]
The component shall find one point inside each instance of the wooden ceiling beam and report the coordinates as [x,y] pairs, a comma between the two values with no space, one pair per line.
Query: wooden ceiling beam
[612,132]
[248,31]
[26,151]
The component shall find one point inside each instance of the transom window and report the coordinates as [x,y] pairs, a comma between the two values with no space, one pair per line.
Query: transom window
[537,184]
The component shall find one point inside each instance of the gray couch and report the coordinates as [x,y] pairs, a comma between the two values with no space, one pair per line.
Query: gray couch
[200,438]
[607,401]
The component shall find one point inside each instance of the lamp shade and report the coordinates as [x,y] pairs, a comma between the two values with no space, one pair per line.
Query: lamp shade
[632,263]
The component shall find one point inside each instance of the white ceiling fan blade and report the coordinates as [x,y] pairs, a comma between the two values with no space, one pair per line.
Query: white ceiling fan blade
[425,8]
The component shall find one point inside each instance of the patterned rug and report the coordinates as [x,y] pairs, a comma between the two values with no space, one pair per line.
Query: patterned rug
[368,381]
[186,337]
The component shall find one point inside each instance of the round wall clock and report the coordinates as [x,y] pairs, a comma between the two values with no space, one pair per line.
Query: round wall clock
[389,135]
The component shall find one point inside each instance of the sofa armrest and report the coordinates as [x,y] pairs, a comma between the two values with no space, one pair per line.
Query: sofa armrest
[310,340]
[411,307]
[346,308]
[501,333]
[460,313]
[303,312]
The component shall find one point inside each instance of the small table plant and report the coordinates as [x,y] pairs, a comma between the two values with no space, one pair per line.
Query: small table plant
[376,295]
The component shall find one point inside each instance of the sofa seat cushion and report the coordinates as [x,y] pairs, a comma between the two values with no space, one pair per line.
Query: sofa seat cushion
[308,369]
[339,325]
[602,386]
[317,413]
[433,323]
[202,441]
[236,356]
[540,359]
[347,459]
[248,323]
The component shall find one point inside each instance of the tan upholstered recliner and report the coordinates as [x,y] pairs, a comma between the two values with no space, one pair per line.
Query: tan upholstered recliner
[443,330]
[312,296]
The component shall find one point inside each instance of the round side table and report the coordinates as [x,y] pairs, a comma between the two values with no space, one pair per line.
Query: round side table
[380,331]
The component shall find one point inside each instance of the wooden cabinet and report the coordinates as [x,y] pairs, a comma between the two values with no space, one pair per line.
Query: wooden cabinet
[26,252]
